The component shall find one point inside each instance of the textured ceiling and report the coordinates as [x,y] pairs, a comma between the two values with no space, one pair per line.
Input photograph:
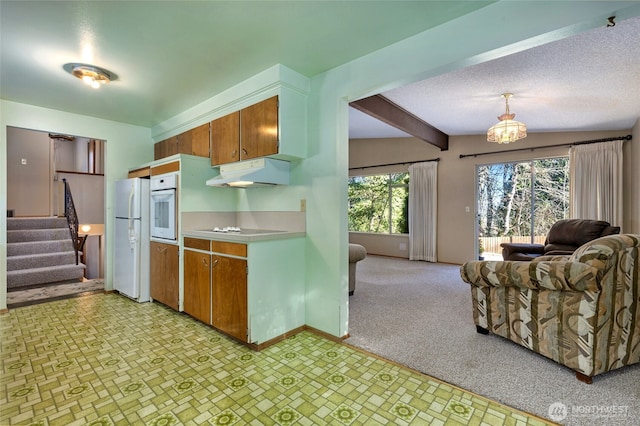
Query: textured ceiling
[590,81]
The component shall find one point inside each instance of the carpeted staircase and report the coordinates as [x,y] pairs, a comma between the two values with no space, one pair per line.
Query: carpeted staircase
[40,251]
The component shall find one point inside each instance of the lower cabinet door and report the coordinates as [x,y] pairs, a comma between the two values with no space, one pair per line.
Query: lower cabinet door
[229,295]
[197,285]
[164,274]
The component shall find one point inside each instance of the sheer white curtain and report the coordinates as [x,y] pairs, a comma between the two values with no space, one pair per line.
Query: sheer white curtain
[596,181]
[423,208]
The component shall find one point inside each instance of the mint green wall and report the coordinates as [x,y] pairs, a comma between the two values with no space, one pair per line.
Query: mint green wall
[126,147]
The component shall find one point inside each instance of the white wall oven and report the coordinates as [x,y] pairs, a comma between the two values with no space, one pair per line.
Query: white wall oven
[163,207]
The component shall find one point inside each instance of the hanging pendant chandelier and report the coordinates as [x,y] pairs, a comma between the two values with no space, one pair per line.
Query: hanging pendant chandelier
[507,130]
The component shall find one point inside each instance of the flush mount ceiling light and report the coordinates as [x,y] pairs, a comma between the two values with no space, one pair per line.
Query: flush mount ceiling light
[507,129]
[90,74]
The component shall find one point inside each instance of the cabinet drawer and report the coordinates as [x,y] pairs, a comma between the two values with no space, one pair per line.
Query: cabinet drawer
[224,247]
[197,243]
[174,166]
[143,172]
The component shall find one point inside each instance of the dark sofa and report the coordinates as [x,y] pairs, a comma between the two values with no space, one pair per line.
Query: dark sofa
[564,237]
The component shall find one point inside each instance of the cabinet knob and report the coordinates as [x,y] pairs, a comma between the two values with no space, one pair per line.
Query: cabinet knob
[233,154]
[215,262]
[244,151]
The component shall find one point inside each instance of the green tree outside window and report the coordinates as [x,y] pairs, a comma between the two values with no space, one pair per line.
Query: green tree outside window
[379,203]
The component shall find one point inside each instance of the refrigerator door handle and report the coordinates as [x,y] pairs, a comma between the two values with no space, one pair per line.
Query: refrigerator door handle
[132,234]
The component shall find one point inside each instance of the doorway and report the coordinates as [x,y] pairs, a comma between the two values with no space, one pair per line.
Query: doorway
[39,165]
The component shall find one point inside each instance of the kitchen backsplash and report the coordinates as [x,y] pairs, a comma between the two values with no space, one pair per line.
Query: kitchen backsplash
[280,221]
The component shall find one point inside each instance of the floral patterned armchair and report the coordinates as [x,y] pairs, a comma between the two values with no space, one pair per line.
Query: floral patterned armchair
[580,310]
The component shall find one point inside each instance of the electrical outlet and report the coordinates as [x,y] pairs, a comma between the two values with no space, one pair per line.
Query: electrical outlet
[23,161]
[303,205]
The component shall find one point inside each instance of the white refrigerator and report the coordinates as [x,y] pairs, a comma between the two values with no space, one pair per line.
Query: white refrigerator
[131,258]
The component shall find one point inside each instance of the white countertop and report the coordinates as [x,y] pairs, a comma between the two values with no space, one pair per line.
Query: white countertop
[246,236]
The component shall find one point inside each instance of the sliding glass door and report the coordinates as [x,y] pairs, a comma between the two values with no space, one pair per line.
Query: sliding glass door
[518,202]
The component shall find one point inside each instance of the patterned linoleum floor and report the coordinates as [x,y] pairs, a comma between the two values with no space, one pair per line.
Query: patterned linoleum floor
[103,360]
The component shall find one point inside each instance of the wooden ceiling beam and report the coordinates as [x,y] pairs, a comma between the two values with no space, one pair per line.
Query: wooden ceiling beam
[384,110]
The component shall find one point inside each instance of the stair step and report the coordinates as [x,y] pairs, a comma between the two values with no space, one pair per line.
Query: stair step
[16,223]
[17,236]
[41,260]
[35,247]
[28,277]
[39,251]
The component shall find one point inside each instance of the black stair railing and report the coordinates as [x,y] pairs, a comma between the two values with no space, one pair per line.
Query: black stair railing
[71,215]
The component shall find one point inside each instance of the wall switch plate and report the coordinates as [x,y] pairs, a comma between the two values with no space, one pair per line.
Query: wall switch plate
[467,209]
[23,161]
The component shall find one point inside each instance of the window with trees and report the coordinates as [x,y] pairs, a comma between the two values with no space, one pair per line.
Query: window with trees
[518,202]
[379,203]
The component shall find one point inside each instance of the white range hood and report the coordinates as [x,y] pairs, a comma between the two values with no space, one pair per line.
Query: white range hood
[251,173]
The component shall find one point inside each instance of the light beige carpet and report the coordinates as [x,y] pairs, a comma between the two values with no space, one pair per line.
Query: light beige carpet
[419,314]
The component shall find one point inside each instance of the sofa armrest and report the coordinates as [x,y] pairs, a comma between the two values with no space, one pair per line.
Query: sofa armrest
[560,275]
[512,249]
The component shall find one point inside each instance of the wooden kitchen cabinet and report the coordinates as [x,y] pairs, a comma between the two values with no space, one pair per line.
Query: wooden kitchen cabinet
[164,274]
[195,141]
[252,285]
[229,295]
[259,129]
[249,133]
[197,284]
[165,148]
[225,139]
[142,172]
[215,285]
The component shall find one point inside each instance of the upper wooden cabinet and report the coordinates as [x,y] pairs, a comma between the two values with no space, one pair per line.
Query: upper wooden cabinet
[225,139]
[165,148]
[259,129]
[195,141]
[249,133]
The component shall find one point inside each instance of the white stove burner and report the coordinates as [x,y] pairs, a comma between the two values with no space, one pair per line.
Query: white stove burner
[226,229]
